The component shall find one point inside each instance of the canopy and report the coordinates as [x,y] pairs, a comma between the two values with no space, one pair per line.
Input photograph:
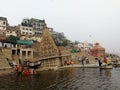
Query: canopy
[24,42]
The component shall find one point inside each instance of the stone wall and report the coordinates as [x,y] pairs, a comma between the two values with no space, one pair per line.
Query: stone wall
[7,53]
[3,61]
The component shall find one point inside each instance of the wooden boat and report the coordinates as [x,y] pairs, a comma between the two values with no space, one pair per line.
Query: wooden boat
[106,67]
[34,64]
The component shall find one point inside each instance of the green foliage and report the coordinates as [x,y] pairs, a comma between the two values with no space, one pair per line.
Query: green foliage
[12,39]
[62,42]
[73,50]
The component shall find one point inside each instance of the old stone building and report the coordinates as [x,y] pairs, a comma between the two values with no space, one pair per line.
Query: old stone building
[98,51]
[3,23]
[12,30]
[49,53]
[2,35]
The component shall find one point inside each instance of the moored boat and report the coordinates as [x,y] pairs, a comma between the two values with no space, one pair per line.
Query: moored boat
[106,67]
[34,64]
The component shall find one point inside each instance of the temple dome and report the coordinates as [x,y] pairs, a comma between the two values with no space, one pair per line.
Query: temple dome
[98,47]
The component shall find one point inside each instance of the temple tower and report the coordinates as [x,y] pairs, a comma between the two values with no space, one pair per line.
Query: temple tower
[48,51]
[47,45]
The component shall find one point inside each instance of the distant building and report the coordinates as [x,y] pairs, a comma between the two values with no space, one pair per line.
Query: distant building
[33,38]
[84,45]
[3,26]
[98,51]
[22,51]
[2,35]
[26,30]
[36,24]
[12,30]
[3,23]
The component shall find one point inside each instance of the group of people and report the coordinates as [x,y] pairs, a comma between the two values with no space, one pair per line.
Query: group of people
[68,62]
[20,70]
[105,61]
[101,61]
[84,60]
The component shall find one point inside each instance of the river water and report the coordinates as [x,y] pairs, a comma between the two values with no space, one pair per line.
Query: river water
[64,79]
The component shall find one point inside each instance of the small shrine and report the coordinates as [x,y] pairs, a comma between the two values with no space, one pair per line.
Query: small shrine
[98,51]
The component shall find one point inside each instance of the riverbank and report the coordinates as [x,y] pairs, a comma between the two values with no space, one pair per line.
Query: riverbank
[6,70]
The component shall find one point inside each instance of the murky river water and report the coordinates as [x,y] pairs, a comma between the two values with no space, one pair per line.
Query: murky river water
[65,79]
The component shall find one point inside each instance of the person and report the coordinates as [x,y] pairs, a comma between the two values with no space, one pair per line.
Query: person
[87,61]
[65,62]
[105,60]
[34,71]
[99,61]
[19,69]
[108,61]
[83,61]
[72,62]
[27,72]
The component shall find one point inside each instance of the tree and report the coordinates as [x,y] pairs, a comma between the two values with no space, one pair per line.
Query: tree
[12,39]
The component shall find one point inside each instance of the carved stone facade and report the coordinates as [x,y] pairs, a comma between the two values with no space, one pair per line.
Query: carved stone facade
[49,53]
[47,46]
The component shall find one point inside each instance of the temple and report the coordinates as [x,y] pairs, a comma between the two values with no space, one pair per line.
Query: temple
[98,51]
[50,54]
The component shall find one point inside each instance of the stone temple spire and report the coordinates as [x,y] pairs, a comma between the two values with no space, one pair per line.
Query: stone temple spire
[47,46]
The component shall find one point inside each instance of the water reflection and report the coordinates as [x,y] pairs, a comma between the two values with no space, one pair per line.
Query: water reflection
[106,72]
[65,79]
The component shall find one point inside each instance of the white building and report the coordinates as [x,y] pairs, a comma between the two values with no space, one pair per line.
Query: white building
[84,45]
[36,24]
[25,30]
[3,23]
[12,30]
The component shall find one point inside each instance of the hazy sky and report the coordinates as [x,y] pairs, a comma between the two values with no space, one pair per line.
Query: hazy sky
[91,20]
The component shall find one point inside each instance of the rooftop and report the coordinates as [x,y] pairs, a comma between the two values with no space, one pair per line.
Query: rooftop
[3,18]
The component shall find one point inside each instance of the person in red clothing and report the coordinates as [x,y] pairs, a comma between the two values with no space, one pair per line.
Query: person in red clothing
[19,69]
[27,72]
[105,60]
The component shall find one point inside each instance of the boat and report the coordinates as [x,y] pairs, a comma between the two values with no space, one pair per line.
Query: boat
[34,64]
[106,67]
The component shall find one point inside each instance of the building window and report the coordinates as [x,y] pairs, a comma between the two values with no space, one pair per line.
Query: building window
[23,28]
[4,23]
[23,32]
